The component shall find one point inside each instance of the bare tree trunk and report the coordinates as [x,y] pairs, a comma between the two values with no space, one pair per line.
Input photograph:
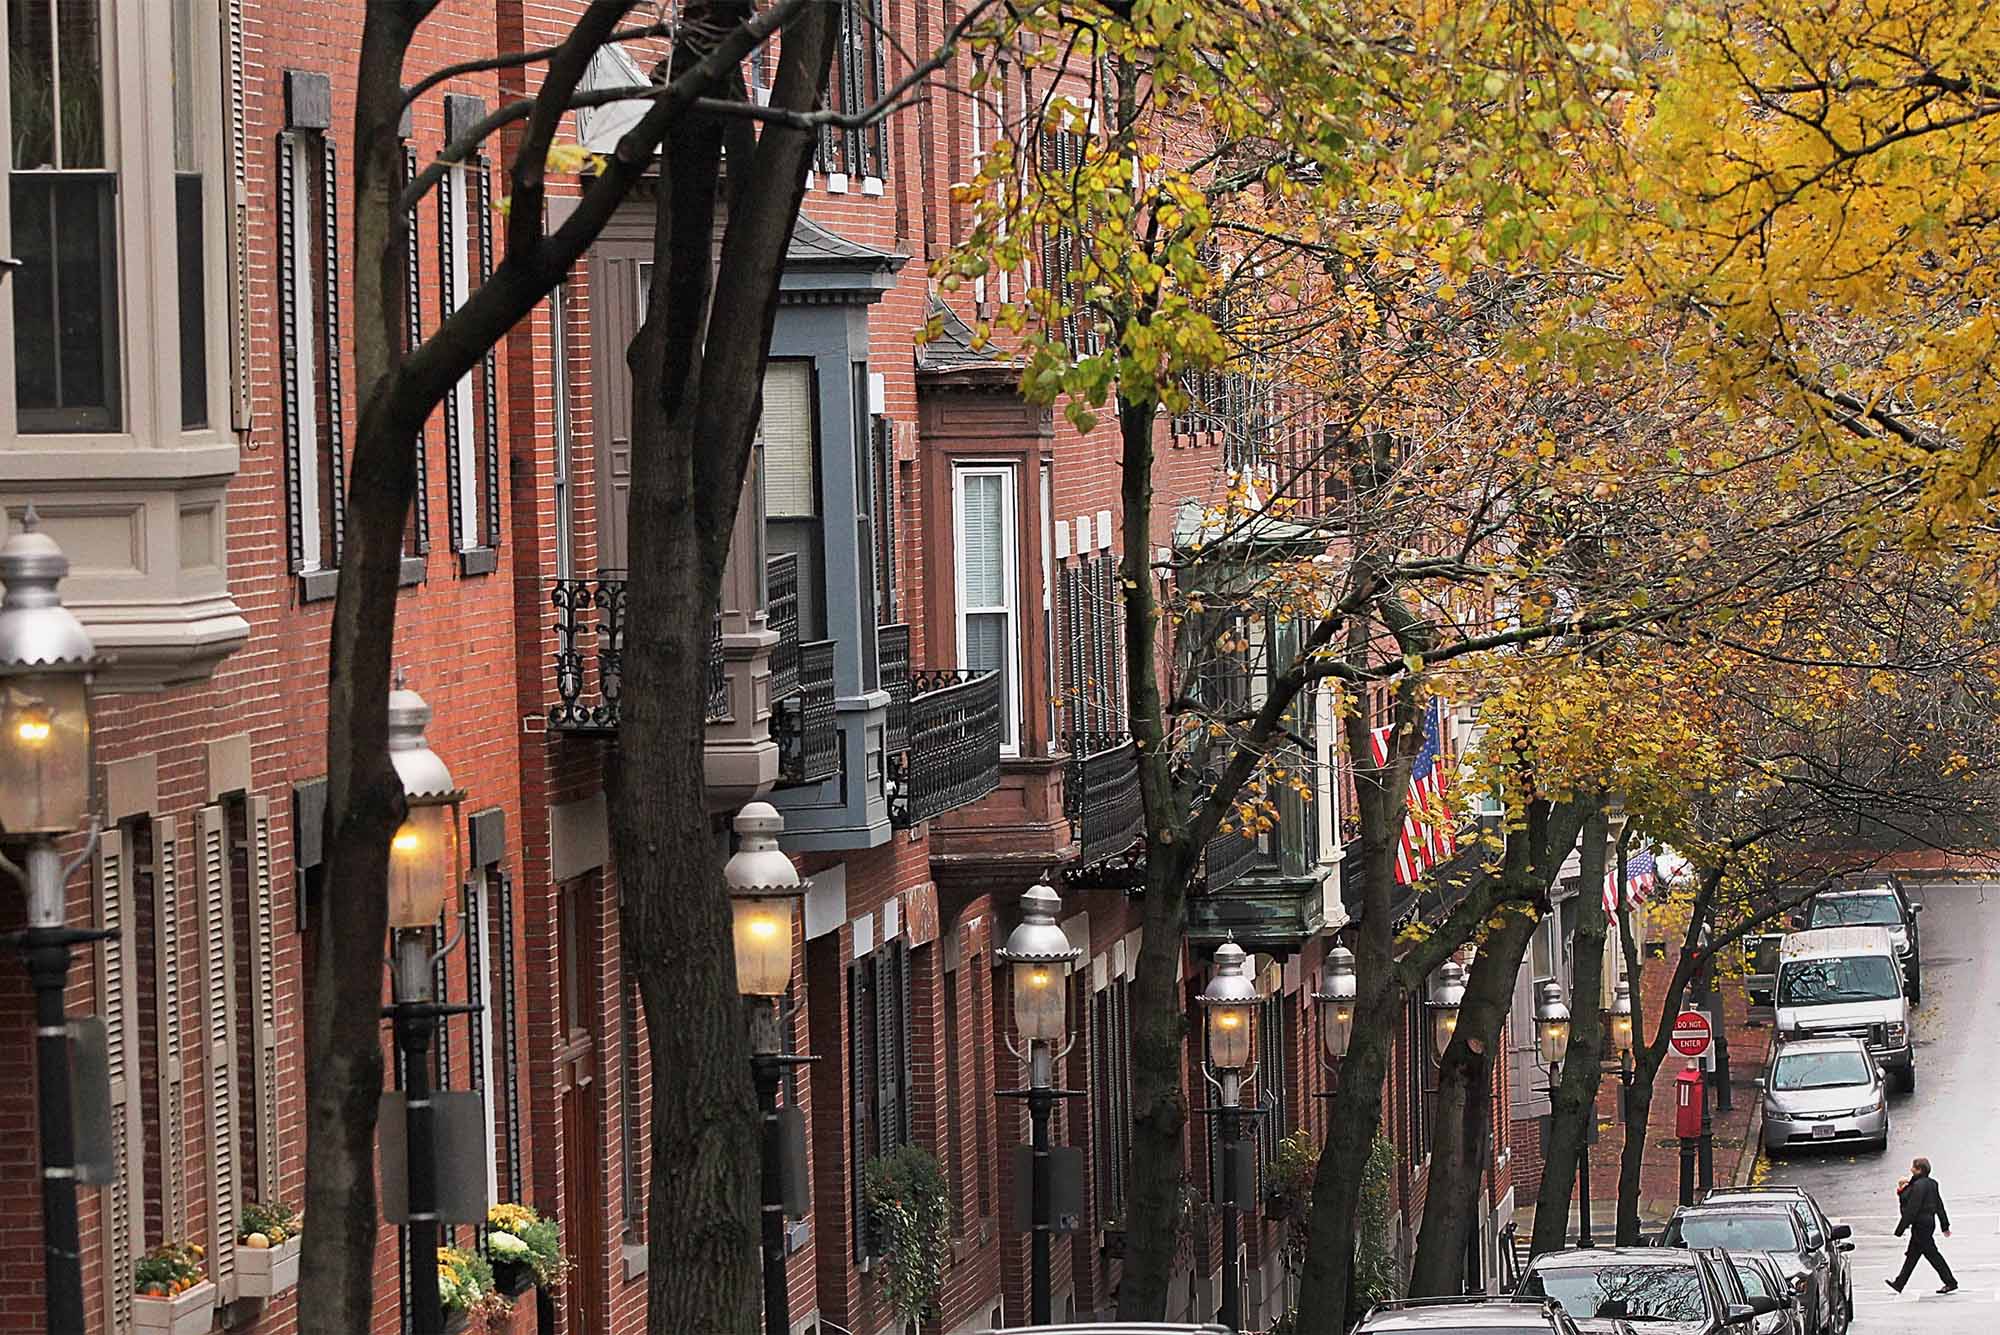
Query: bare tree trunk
[1573,1105]
[1531,862]
[697,391]
[364,797]
[1159,1028]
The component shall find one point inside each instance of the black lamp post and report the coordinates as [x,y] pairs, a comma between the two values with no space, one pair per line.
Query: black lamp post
[423,867]
[1336,1005]
[1228,1005]
[764,890]
[1040,954]
[46,658]
[1552,1038]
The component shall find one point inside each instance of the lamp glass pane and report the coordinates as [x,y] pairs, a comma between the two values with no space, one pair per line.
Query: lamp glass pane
[1621,1032]
[1229,1037]
[1444,1023]
[1038,1002]
[423,865]
[1337,1023]
[1555,1041]
[763,946]
[44,752]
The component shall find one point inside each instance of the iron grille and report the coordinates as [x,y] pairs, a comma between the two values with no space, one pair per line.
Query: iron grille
[590,644]
[781,603]
[805,726]
[718,677]
[954,755]
[892,647]
[1101,796]
[1226,858]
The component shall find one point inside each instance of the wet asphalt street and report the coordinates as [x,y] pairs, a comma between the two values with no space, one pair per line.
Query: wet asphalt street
[1954,1118]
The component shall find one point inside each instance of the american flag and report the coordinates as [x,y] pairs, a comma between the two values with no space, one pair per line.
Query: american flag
[1642,873]
[1424,842]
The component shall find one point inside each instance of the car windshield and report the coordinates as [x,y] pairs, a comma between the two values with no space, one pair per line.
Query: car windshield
[1831,981]
[1755,1281]
[1856,911]
[1653,1292]
[1819,1070]
[1759,1231]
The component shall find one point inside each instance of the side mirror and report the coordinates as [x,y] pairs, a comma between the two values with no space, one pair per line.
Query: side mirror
[1916,908]
[1840,1232]
[1763,1303]
[1758,1083]
[1845,1246]
[1738,1313]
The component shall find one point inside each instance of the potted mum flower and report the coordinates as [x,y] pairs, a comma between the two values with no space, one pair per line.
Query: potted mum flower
[526,1249]
[268,1238]
[171,1292]
[466,1291]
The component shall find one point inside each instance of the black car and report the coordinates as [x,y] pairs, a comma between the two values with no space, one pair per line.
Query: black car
[1761,1273]
[1774,1227]
[1476,1314]
[1660,1291]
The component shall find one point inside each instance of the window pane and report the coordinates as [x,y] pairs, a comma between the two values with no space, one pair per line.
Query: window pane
[65,302]
[985,641]
[31,77]
[193,306]
[790,488]
[79,85]
[184,153]
[982,543]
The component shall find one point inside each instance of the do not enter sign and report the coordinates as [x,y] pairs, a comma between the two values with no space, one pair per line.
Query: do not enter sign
[1692,1034]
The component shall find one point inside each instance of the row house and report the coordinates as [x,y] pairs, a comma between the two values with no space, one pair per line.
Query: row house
[919,661]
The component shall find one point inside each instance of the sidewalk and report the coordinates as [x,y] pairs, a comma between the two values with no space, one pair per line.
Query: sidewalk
[1736,1131]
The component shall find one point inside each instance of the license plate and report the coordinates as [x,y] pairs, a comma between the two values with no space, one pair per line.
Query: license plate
[1823,1131]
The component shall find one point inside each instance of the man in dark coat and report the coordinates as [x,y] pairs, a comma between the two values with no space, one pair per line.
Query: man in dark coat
[1923,1214]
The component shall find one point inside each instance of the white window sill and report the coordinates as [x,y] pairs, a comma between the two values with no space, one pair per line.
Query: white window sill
[871,185]
[836,183]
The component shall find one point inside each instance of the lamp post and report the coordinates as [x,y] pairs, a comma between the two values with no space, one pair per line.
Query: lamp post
[1228,1003]
[1552,1039]
[764,893]
[1040,956]
[1621,1039]
[423,866]
[45,662]
[1447,996]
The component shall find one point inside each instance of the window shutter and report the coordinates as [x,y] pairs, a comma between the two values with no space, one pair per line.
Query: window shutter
[888,1087]
[167,987]
[336,444]
[413,321]
[124,1195]
[789,482]
[857,1086]
[263,938]
[905,1104]
[218,1037]
[289,297]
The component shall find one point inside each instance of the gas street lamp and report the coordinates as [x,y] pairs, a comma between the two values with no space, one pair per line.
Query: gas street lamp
[1040,956]
[1552,1031]
[423,867]
[1447,996]
[764,894]
[1228,1004]
[46,658]
[1335,1000]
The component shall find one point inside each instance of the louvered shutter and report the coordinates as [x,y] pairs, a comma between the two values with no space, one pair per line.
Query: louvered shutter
[263,966]
[168,982]
[336,435]
[888,1086]
[857,1086]
[218,1038]
[905,1097]
[124,1196]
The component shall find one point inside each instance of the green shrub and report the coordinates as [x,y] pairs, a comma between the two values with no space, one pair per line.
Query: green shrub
[909,1218]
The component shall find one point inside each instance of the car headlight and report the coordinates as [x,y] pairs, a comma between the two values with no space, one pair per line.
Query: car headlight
[1897,1031]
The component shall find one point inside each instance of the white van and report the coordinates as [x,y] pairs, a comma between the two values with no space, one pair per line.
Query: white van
[1847,980]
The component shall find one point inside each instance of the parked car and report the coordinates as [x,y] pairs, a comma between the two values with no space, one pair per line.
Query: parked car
[1824,1091]
[1822,1233]
[1760,1273]
[1660,1291]
[1475,1314]
[1756,1226]
[1877,902]
[1116,1328]
[1846,981]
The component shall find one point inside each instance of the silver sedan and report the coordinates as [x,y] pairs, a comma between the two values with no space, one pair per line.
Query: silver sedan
[1824,1091]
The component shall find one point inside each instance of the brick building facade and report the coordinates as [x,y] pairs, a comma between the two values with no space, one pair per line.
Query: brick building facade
[917,534]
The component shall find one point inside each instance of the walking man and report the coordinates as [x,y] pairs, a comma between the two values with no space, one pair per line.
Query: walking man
[1923,1214]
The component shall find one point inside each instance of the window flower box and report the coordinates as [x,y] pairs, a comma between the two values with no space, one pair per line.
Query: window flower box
[266,1272]
[189,1312]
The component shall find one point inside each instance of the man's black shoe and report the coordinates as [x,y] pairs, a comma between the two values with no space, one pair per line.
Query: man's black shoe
[1949,1288]
[1894,1285]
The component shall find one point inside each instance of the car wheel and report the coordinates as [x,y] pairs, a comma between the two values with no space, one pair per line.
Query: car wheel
[1916,992]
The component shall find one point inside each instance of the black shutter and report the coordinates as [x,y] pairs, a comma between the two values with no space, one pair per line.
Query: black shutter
[859,1021]
[336,444]
[888,1085]
[489,375]
[905,1100]
[503,893]
[878,133]
[448,266]
[289,353]
[413,319]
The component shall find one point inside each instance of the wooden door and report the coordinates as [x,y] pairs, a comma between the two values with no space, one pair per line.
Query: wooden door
[582,1128]
[619,272]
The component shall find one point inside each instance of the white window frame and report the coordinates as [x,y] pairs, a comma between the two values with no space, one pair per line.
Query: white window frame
[303,372]
[136,63]
[1326,770]
[464,448]
[564,423]
[1010,582]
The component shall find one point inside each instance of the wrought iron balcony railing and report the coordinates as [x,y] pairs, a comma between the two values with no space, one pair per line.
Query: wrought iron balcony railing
[892,647]
[590,644]
[954,751]
[804,723]
[1228,856]
[1101,795]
